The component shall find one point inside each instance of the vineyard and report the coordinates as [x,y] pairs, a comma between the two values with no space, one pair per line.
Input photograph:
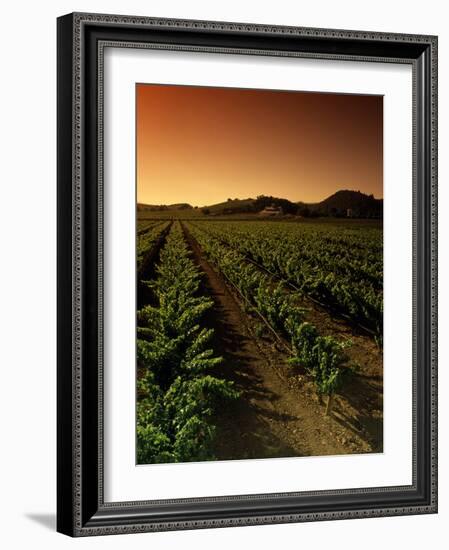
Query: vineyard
[177,393]
[258,339]
[342,270]
[148,235]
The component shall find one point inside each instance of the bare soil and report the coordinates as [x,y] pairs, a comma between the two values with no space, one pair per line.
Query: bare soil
[361,400]
[278,413]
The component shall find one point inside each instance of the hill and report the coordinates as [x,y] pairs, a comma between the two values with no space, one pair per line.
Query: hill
[349,203]
[162,207]
[250,206]
[344,203]
[231,206]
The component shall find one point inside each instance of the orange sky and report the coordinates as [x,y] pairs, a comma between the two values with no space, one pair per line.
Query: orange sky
[203,145]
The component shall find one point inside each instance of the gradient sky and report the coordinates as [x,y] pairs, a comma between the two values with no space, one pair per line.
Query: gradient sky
[202,145]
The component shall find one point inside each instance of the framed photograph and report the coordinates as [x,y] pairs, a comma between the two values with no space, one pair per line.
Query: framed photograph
[247,274]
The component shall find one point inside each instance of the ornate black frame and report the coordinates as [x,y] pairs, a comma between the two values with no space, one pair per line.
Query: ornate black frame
[81,509]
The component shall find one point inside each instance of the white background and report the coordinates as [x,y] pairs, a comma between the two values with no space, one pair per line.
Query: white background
[123,480]
[27,299]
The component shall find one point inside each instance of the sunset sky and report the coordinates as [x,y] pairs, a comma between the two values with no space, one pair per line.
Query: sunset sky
[203,145]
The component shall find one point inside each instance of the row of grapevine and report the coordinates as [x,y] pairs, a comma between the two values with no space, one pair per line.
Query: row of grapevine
[177,394]
[147,237]
[341,269]
[144,225]
[323,357]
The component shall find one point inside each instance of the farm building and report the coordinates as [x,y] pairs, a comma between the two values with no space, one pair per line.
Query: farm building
[271,211]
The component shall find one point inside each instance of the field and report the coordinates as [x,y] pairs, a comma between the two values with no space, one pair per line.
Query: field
[258,338]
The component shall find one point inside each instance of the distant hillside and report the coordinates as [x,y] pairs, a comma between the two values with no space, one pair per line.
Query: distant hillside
[344,203]
[249,206]
[231,206]
[162,207]
[349,203]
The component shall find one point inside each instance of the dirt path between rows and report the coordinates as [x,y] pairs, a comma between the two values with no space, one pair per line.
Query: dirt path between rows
[360,403]
[361,399]
[276,415]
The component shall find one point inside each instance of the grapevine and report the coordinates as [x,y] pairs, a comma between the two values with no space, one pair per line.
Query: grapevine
[177,394]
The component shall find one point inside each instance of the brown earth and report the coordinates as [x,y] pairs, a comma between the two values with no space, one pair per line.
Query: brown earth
[278,413]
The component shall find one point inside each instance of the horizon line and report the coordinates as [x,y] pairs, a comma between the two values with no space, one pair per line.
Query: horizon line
[294,201]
